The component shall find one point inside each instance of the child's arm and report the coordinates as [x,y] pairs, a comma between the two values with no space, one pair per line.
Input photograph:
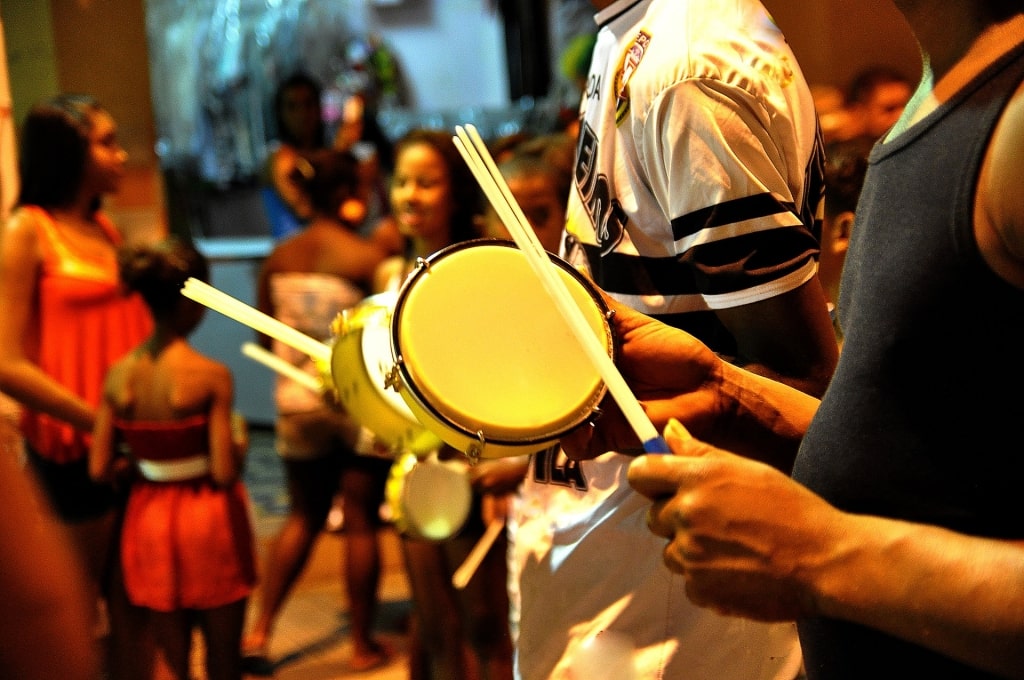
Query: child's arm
[101,450]
[239,438]
[225,465]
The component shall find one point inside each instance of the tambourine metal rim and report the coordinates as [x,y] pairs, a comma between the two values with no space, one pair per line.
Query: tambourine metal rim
[475,441]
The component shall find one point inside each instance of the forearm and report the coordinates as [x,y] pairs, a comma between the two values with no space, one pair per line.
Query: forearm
[27,384]
[958,595]
[764,419]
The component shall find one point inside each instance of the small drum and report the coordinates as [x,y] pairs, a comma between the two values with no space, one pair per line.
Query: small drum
[361,360]
[428,499]
[485,359]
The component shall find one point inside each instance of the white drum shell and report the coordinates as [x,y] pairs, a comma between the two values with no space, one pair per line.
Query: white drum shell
[361,360]
[429,499]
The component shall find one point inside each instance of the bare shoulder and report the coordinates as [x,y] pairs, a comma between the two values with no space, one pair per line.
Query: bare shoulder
[999,215]
[206,376]
[117,378]
[20,232]
[213,369]
[290,254]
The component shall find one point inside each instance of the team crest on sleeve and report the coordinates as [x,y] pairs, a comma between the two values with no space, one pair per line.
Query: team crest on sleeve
[630,62]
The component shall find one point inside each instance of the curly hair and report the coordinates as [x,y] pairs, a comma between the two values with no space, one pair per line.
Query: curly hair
[158,271]
[328,176]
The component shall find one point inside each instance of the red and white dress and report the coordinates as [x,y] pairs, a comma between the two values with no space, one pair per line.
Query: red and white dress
[186,542]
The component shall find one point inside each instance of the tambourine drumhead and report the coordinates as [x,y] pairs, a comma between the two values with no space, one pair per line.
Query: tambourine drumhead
[486,359]
[428,499]
[361,359]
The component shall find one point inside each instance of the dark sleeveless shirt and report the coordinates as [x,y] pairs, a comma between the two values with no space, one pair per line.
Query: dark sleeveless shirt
[922,420]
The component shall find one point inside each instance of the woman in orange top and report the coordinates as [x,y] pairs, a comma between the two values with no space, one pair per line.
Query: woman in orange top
[65,317]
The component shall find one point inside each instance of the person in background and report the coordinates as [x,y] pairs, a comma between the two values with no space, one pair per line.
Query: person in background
[358,130]
[540,188]
[66,321]
[305,282]
[679,210]
[436,203]
[846,162]
[504,147]
[47,627]
[837,122]
[300,127]
[894,533]
[876,97]
[187,542]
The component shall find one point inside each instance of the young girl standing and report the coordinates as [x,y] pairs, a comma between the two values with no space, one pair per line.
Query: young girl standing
[187,544]
[435,203]
[305,282]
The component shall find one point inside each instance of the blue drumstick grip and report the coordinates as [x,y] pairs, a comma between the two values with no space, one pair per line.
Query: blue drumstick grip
[657,445]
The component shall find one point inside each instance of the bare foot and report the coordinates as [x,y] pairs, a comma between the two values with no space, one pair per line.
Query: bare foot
[375,656]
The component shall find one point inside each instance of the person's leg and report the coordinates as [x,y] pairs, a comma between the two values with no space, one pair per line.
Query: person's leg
[127,647]
[130,641]
[484,603]
[311,485]
[362,494]
[172,635]
[222,632]
[435,609]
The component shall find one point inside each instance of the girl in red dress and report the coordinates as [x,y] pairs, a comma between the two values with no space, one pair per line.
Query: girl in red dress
[187,544]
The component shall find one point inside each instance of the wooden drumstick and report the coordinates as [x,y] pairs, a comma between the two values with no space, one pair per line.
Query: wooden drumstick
[466,570]
[233,308]
[276,363]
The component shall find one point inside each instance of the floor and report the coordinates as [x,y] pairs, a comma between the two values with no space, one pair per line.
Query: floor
[310,641]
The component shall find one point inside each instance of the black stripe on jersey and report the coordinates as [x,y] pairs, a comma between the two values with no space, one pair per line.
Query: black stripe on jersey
[715,268]
[754,207]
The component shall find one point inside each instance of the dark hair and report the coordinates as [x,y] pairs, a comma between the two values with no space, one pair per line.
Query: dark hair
[157,272]
[870,79]
[296,81]
[327,176]
[557,150]
[1001,10]
[465,193]
[846,163]
[54,150]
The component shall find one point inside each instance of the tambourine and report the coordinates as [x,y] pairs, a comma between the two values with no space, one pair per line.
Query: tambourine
[361,361]
[482,356]
[428,498]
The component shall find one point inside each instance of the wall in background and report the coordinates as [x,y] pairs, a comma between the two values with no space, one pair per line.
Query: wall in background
[834,39]
[450,49]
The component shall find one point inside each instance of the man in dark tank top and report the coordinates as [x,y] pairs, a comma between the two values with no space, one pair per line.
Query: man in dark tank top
[890,522]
